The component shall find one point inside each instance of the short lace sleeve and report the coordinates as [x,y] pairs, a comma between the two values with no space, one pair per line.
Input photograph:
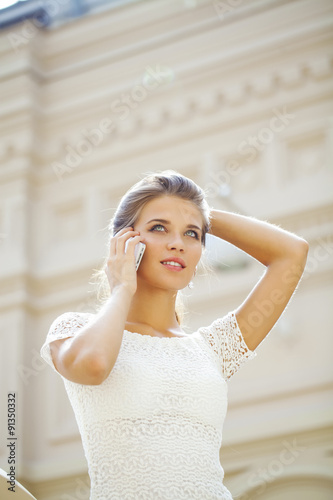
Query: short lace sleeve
[64,326]
[225,338]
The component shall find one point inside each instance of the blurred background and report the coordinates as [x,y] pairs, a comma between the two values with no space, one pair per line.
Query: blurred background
[237,95]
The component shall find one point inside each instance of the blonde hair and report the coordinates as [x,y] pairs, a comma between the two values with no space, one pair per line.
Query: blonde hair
[150,187]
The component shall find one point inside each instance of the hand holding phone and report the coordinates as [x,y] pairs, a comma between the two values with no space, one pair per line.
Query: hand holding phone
[119,269]
[138,252]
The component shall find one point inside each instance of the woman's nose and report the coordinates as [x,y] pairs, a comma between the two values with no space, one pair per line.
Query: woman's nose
[176,242]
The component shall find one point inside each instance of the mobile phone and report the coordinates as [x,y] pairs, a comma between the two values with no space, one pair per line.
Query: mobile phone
[138,251]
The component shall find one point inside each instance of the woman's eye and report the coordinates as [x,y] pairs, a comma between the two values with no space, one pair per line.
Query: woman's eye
[189,231]
[157,225]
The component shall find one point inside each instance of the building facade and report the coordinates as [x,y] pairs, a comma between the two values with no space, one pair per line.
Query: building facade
[236,95]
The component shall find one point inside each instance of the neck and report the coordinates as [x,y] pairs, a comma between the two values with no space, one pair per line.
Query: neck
[154,308]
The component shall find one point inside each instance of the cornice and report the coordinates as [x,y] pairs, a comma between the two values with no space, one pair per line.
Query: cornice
[223,66]
[176,28]
[151,25]
[89,53]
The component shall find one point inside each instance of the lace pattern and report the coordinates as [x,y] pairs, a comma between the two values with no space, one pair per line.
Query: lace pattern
[153,429]
[225,338]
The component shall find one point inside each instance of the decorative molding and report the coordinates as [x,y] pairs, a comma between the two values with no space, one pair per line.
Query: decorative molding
[212,102]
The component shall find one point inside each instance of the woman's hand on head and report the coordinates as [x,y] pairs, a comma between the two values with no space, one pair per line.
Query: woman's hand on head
[120,268]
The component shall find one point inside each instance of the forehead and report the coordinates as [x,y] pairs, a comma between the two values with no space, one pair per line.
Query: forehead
[172,208]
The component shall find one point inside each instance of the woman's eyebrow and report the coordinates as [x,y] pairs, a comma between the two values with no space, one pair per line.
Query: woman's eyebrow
[168,222]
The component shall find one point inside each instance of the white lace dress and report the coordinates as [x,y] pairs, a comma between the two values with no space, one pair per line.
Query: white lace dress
[153,429]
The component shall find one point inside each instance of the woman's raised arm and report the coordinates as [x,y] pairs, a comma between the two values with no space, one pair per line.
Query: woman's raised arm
[283,253]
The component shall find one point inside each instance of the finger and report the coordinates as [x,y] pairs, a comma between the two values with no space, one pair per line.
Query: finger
[131,243]
[114,239]
[121,241]
[122,231]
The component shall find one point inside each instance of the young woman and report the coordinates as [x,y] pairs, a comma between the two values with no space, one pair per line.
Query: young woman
[150,400]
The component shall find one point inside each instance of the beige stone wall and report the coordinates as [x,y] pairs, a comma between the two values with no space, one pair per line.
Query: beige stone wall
[236,95]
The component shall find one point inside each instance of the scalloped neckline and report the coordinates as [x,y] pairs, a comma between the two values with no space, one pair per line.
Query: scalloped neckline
[161,338]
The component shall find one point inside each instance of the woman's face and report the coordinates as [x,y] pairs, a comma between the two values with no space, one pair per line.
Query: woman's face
[165,240]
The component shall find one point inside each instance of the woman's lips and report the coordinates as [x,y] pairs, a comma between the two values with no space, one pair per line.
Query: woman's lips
[173,268]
